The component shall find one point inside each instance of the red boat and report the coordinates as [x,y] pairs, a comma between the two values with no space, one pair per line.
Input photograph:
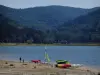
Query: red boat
[36,61]
[63,65]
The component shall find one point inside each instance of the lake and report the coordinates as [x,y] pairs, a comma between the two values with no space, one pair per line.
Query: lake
[88,55]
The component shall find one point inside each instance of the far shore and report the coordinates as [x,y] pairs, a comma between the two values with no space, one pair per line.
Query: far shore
[54,44]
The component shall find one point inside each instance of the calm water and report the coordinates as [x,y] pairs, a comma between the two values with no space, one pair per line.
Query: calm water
[88,55]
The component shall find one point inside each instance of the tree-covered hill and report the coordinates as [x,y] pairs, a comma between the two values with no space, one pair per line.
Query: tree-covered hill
[43,17]
[38,24]
[10,31]
[82,29]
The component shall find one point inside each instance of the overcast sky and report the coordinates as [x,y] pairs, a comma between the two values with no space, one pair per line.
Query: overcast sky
[33,3]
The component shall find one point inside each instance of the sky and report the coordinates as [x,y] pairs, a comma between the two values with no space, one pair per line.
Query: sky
[34,3]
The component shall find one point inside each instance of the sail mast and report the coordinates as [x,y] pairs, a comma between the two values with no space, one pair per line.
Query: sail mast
[46,56]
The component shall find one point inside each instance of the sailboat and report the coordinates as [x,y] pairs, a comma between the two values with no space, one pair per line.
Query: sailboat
[47,59]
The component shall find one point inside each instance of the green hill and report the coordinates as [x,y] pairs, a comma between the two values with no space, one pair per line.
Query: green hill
[50,24]
[43,17]
[10,31]
[82,29]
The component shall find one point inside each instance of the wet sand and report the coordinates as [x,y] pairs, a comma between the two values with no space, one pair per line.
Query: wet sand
[29,68]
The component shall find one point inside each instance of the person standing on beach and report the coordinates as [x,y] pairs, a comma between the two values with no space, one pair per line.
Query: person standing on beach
[23,61]
[20,59]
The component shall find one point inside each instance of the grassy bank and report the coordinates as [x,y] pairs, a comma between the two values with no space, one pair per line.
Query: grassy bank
[56,44]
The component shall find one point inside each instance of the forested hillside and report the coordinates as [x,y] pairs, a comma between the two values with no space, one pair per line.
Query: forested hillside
[43,17]
[12,32]
[82,29]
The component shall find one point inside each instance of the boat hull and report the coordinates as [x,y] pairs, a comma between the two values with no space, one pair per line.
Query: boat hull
[63,65]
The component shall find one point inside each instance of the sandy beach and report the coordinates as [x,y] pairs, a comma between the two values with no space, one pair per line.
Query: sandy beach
[29,68]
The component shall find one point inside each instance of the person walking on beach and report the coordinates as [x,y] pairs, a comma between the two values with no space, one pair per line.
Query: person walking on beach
[20,59]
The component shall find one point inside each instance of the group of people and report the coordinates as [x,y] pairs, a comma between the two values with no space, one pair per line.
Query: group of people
[21,60]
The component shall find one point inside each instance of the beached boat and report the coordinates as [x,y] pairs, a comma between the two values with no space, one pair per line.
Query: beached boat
[36,61]
[62,64]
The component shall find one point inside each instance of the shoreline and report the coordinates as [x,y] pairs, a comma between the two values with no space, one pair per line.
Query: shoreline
[15,67]
[55,44]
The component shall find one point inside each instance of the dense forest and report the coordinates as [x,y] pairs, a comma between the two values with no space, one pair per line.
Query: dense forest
[82,29]
[12,32]
[51,24]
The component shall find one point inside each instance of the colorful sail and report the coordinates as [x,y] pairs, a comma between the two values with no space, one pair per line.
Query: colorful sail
[47,59]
